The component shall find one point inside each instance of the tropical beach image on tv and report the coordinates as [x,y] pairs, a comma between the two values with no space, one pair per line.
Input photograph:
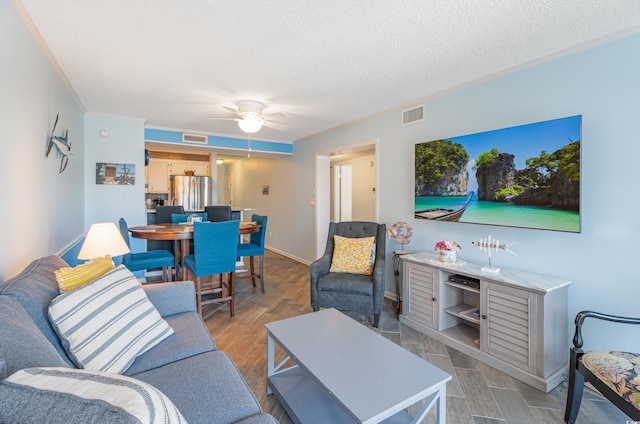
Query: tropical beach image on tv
[526,176]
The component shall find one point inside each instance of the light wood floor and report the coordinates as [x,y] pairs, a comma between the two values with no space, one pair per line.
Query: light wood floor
[477,394]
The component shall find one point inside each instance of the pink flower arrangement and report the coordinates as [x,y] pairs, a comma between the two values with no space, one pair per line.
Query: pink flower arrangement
[444,245]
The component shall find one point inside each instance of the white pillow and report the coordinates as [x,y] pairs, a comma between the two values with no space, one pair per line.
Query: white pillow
[70,395]
[107,323]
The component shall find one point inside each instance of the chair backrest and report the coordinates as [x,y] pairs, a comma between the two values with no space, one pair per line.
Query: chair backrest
[163,213]
[124,231]
[218,213]
[216,246]
[258,238]
[357,229]
[177,218]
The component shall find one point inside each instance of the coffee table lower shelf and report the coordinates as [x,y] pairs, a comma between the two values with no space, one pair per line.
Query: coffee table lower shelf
[306,401]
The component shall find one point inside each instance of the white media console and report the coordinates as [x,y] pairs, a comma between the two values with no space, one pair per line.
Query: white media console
[513,321]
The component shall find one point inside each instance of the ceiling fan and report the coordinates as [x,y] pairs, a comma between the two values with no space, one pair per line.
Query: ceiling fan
[251,118]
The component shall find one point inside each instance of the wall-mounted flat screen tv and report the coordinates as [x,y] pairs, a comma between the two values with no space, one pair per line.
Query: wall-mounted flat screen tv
[526,176]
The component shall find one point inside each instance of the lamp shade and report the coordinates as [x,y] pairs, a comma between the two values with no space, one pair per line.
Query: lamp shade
[251,124]
[103,239]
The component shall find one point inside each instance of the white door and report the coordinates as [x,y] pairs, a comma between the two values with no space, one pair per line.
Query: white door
[228,189]
[345,188]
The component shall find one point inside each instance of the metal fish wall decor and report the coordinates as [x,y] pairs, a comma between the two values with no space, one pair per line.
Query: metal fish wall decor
[63,146]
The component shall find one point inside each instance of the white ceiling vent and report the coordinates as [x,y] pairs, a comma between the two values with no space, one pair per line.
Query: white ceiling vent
[413,115]
[194,138]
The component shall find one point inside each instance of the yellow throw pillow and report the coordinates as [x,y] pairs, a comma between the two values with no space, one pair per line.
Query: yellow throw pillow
[72,278]
[352,255]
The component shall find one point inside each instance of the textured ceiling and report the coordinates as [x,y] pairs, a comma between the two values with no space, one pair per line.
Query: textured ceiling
[319,63]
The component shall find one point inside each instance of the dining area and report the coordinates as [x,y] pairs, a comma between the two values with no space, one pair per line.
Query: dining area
[206,247]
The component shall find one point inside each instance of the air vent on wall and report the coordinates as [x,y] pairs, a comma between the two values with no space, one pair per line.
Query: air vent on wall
[194,138]
[413,115]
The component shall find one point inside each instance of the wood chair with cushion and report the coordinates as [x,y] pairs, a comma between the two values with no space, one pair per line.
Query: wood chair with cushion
[254,248]
[215,251]
[616,375]
[146,260]
[218,213]
[350,274]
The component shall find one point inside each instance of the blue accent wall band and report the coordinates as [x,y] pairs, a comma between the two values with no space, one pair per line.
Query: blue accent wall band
[152,134]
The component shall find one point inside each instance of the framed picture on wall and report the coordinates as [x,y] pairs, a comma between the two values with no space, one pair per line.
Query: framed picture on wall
[526,176]
[115,173]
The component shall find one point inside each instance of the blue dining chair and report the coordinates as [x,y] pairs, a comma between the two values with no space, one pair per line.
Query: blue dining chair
[177,218]
[255,247]
[215,251]
[146,260]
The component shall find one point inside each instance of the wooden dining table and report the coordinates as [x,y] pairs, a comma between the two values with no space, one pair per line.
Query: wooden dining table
[181,234]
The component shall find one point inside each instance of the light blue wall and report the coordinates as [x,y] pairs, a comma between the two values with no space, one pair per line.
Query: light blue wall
[602,85]
[125,144]
[42,210]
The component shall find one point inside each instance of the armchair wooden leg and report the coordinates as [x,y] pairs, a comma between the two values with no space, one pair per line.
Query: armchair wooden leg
[574,391]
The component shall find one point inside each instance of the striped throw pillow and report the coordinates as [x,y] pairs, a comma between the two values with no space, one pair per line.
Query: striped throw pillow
[107,323]
[72,278]
[71,395]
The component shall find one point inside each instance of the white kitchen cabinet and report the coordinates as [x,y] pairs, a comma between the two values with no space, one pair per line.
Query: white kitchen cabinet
[179,167]
[515,322]
[157,176]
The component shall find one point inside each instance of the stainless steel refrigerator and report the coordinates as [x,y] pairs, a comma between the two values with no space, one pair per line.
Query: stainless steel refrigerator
[193,193]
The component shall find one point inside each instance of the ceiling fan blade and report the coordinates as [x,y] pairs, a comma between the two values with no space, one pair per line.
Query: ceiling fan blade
[234,110]
[275,125]
[278,116]
[224,119]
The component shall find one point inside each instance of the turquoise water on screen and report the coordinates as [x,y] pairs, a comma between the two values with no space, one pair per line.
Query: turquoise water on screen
[505,214]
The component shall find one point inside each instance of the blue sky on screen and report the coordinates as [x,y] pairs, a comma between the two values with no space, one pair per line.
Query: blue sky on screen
[524,141]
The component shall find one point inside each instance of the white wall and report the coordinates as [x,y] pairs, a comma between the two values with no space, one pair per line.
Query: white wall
[601,84]
[42,210]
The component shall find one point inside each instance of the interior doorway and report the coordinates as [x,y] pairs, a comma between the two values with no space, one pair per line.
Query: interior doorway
[342,190]
[360,162]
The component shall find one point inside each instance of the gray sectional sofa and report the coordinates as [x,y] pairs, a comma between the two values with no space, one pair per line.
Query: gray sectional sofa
[201,381]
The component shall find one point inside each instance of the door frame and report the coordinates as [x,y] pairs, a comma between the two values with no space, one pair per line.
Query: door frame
[323,187]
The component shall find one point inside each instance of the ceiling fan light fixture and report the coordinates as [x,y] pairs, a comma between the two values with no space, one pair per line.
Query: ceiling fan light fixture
[251,124]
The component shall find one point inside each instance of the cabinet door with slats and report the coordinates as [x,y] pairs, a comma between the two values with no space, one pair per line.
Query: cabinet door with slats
[509,326]
[421,296]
